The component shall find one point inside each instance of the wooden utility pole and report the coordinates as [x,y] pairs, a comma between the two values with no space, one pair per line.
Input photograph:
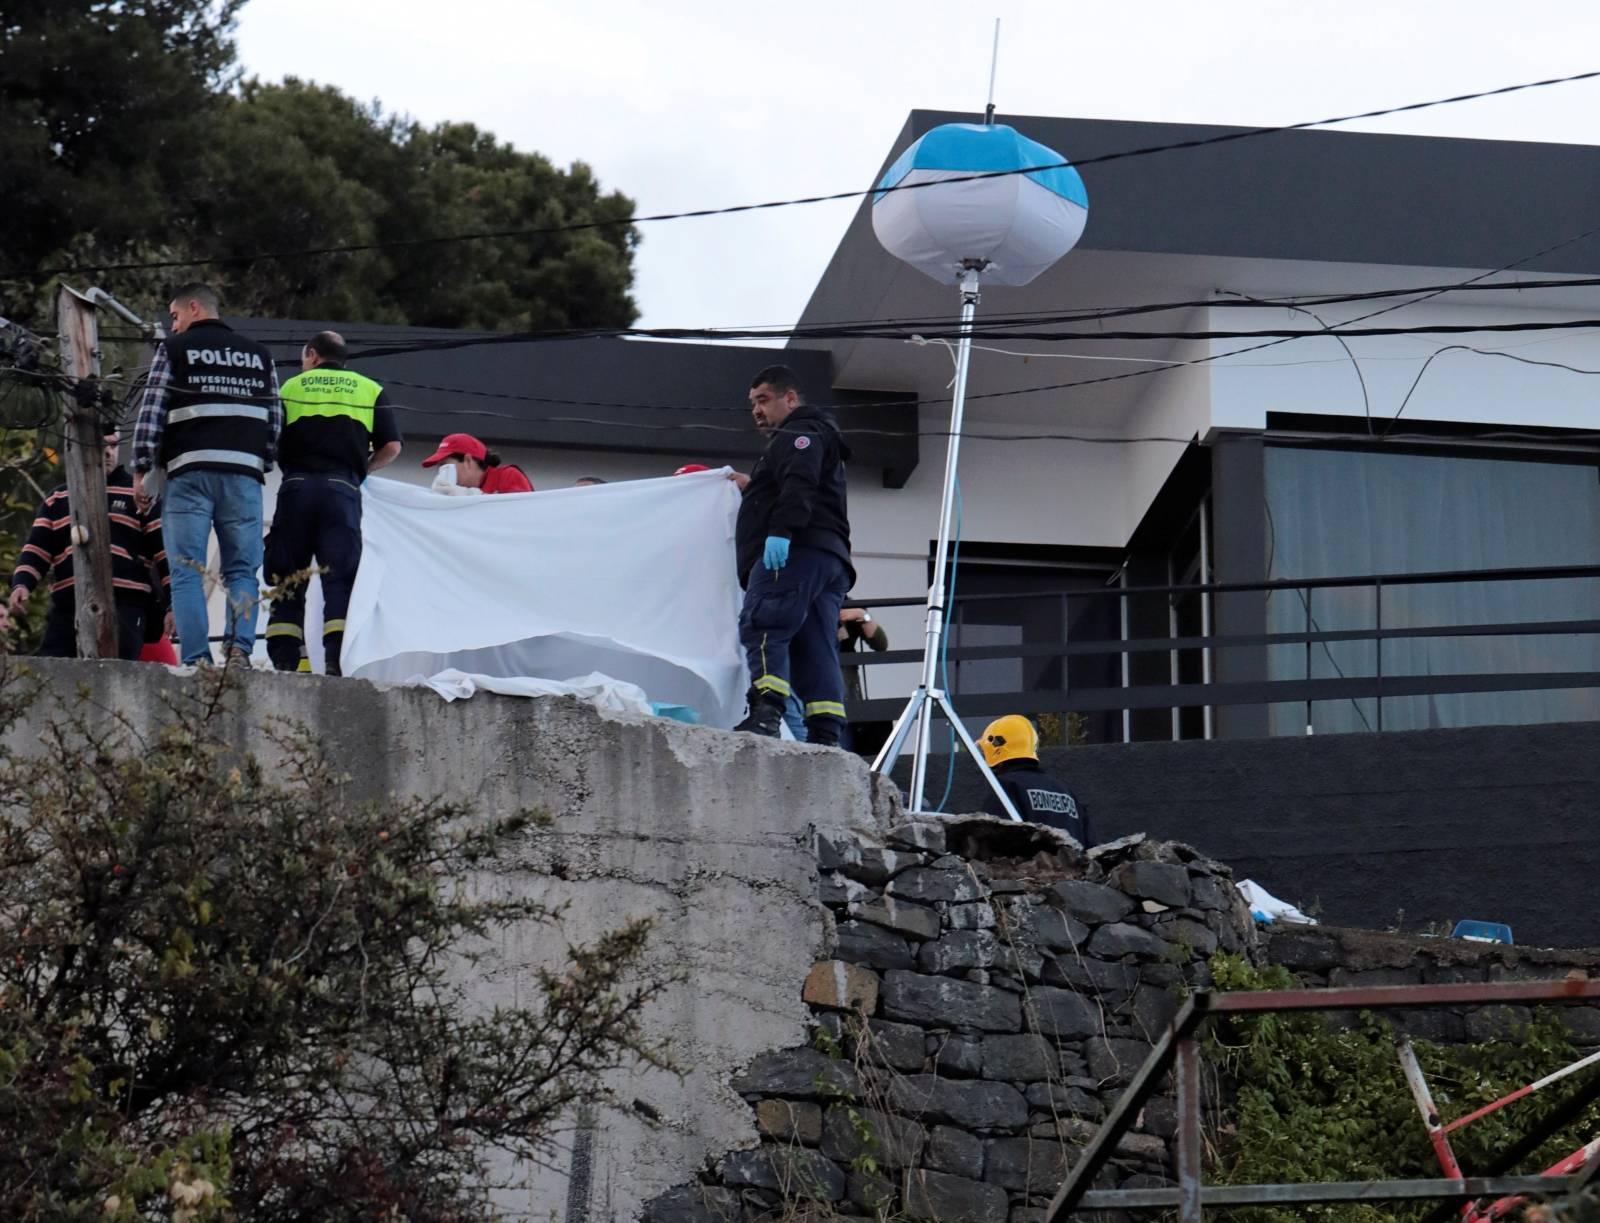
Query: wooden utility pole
[83,451]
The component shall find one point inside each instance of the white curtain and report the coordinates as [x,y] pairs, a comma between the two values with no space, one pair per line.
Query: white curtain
[634,581]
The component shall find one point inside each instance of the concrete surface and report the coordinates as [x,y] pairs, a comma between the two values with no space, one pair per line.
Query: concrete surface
[707,831]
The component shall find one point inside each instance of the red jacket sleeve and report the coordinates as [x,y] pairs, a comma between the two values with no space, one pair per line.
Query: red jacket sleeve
[504,479]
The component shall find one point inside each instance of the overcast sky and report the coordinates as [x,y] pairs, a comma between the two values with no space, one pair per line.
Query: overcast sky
[703,104]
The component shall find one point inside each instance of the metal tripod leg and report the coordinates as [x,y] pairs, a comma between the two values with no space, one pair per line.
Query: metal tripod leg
[922,704]
[973,750]
[883,763]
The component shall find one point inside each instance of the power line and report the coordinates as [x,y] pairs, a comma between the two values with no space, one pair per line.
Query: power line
[1426,295]
[1061,337]
[1283,336]
[575,226]
[1483,352]
[779,331]
[901,403]
[863,431]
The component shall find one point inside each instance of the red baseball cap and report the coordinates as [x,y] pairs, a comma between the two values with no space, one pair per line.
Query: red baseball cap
[690,469]
[457,443]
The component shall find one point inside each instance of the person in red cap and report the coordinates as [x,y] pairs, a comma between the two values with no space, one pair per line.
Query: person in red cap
[477,466]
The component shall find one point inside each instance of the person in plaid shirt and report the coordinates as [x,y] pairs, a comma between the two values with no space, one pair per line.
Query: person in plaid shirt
[207,431]
[138,566]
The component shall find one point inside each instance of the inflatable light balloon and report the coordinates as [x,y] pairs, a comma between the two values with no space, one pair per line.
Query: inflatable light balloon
[1014,225]
[1006,229]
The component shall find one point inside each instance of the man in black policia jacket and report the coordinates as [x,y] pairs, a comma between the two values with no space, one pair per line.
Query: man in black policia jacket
[137,560]
[338,426]
[793,545]
[210,418]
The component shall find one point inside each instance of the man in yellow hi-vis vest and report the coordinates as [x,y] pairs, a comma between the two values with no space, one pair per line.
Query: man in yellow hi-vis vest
[338,427]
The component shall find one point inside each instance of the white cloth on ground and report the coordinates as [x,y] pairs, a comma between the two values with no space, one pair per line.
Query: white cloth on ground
[1264,906]
[634,581]
[599,690]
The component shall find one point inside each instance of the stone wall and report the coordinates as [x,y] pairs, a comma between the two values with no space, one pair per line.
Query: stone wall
[989,991]
[1329,956]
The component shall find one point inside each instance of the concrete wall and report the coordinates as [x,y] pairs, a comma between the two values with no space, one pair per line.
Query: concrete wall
[1415,828]
[708,832]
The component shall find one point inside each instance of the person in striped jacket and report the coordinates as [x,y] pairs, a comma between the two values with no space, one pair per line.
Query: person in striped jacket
[138,566]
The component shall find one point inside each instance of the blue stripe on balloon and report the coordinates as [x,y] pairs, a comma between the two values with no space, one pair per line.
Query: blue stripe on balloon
[973,148]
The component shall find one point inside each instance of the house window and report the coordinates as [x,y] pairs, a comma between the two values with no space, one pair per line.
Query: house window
[1333,513]
[1011,597]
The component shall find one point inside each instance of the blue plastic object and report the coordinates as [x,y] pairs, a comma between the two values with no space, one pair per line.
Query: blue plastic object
[1482,931]
[678,713]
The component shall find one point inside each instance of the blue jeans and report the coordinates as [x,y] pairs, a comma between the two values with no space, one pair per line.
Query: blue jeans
[194,504]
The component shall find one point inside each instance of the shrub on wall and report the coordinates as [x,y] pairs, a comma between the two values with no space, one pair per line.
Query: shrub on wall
[228,990]
[1313,1100]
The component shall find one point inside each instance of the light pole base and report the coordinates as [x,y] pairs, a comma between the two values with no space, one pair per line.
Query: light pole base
[939,700]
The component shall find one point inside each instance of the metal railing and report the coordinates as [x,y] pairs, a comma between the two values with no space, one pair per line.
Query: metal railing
[1178,1049]
[1131,695]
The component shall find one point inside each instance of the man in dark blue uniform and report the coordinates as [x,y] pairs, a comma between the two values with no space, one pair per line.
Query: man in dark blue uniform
[338,427]
[793,546]
[1011,748]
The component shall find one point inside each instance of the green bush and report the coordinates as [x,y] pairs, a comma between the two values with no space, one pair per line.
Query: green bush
[1308,1101]
[229,990]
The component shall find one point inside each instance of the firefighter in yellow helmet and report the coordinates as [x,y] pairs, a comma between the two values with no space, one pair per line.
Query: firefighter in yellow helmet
[1011,748]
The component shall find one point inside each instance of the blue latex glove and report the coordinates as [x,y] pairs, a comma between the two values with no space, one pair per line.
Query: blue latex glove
[776,554]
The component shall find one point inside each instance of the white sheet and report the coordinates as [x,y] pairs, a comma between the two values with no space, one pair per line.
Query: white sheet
[634,581]
[1266,907]
[599,690]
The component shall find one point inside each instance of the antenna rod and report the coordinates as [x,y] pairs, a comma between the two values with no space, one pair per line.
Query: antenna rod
[994,63]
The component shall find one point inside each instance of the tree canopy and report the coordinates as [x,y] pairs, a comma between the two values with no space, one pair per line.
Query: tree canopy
[126,135]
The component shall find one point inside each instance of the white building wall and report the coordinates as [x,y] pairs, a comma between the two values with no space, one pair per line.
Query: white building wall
[1315,374]
[1174,405]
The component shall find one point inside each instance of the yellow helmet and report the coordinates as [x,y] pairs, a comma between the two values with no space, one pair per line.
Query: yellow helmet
[1009,738]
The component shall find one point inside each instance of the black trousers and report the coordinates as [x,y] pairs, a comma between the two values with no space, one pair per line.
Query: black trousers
[318,518]
[60,638]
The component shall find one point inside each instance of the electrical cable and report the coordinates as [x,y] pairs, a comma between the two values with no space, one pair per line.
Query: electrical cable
[901,334]
[856,431]
[1482,352]
[576,226]
[1366,399]
[612,423]
[779,331]
[1435,292]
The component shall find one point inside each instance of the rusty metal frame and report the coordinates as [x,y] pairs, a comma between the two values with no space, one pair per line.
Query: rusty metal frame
[1178,1047]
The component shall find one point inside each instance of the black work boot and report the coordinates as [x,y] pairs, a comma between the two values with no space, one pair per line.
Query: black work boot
[331,645]
[824,732]
[285,652]
[766,713]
